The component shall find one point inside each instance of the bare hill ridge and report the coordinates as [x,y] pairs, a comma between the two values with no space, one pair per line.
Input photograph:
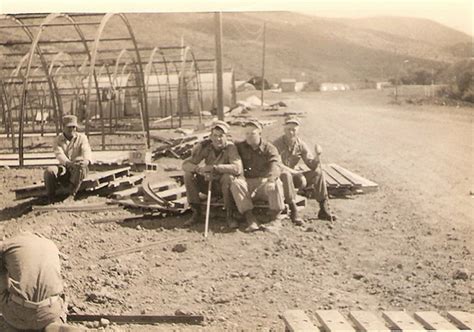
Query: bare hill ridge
[305,47]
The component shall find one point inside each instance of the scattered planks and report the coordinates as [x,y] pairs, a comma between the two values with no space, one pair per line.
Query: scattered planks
[333,320]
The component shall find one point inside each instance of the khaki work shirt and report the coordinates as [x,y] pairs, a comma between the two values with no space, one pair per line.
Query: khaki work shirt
[292,152]
[261,162]
[226,160]
[77,148]
[32,266]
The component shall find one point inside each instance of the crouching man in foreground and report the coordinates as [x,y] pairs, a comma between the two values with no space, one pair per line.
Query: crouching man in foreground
[31,287]
[221,164]
[73,152]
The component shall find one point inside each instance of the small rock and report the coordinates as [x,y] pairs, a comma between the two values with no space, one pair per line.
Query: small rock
[182,312]
[357,275]
[179,248]
[461,274]
[104,322]
[310,229]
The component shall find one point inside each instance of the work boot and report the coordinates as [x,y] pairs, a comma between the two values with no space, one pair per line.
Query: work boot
[324,212]
[231,222]
[294,214]
[252,224]
[273,215]
[196,217]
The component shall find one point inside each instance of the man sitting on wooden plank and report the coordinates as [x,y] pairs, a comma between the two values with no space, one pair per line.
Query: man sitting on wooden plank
[221,164]
[31,287]
[73,152]
[292,149]
[260,160]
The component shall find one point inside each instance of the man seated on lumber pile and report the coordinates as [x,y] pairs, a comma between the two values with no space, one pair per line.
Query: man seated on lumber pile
[292,149]
[260,160]
[221,164]
[73,152]
[31,287]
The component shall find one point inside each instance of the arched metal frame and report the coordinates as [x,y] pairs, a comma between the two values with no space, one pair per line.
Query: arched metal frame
[55,77]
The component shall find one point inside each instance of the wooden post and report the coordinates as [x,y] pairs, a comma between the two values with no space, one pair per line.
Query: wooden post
[263,64]
[220,89]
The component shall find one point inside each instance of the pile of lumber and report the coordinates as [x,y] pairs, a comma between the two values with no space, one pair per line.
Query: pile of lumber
[341,181]
[179,147]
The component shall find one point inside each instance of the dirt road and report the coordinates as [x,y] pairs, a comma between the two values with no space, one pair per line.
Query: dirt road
[395,249]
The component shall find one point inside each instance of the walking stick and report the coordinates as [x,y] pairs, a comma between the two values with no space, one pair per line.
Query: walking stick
[208,205]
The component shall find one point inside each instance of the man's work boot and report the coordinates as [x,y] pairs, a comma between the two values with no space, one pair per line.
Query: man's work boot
[324,213]
[298,221]
[196,217]
[252,224]
[273,215]
[231,222]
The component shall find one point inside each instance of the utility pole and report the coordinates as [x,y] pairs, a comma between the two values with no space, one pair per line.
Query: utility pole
[263,64]
[220,89]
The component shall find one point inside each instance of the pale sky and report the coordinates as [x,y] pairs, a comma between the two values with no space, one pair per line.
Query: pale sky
[453,13]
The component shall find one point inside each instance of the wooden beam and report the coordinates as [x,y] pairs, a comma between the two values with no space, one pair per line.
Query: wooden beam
[298,321]
[367,321]
[464,320]
[76,208]
[431,320]
[332,320]
[400,320]
[139,319]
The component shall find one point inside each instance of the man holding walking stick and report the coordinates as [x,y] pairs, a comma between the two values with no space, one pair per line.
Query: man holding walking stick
[221,164]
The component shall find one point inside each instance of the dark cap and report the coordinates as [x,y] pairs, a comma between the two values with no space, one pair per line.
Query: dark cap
[221,125]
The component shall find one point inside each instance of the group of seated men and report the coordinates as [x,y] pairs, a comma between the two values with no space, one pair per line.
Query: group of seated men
[254,170]
[241,173]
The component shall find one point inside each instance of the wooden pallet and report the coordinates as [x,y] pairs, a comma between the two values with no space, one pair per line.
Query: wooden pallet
[333,320]
[93,181]
[339,179]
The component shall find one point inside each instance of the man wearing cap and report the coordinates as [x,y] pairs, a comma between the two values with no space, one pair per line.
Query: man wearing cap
[31,287]
[261,171]
[73,152]
[292,149]
[221,164]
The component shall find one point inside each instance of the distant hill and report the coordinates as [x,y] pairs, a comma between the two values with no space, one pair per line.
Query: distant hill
[306,47]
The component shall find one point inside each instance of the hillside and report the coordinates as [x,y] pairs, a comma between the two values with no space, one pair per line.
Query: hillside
[305,47]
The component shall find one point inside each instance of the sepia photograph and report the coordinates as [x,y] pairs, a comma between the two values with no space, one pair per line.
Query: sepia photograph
[244,166]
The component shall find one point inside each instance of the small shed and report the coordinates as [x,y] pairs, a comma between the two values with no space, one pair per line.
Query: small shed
[287,85]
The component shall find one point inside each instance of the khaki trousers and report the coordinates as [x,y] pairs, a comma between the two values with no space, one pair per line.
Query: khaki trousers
[246,190]
[309,179]
[67,177]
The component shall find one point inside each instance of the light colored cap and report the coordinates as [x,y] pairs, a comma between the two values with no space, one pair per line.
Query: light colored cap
[292,120]
[70,121]
[221,125]
[254,122]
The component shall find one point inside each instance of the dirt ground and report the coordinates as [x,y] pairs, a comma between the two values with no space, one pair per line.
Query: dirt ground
[395,249]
